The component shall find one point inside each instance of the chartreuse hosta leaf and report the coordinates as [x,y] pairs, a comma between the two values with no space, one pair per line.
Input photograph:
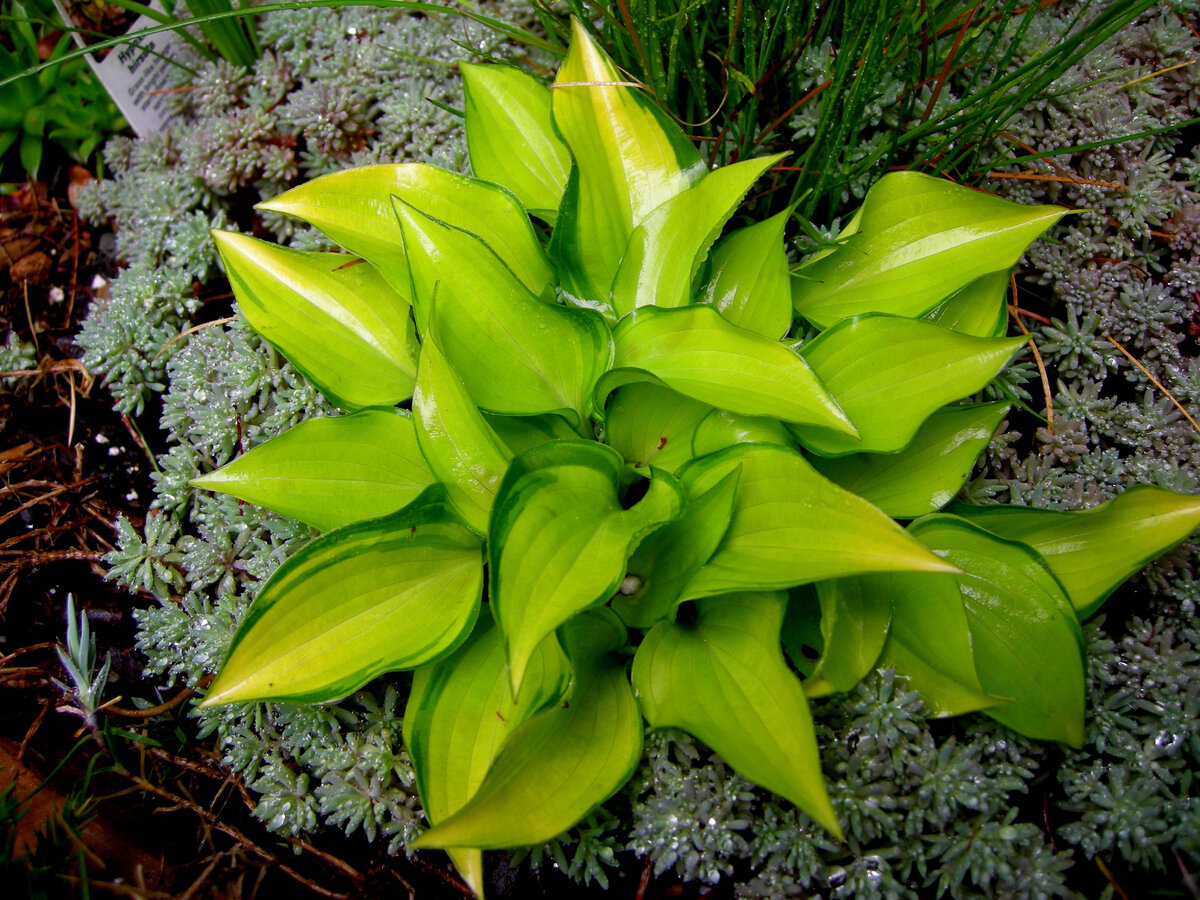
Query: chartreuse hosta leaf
[462,450]
[515,354]
[519,433]
[666,250]
[1093,551]
[929,642]
[721,429]
[332,471]
[354,208]
[668,558]
[560,537]
[980,308]
[928,472]
[374,597]
[720,675]
[460,713]
[749,281]
[890,373]
[505,108]
[919,239]
[339,323]
[629,158]
[793,526]
[854,627]
[649,424]
[558,765]
[697,353]
[1025,638]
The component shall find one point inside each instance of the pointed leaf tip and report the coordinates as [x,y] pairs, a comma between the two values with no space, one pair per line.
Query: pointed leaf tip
[792,526]
[339,324]
[330,471]
[560,764]
[927,238]
[356,603]
[629,158]
[506,108]
[723,679]
[1093,551]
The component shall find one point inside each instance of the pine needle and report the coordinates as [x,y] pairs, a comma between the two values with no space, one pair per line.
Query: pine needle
[1037,356]
[1154,381]
[1068,179]
[1156,74]
[193,330]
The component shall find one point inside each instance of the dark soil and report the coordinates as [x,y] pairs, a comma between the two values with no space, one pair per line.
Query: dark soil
[135,806]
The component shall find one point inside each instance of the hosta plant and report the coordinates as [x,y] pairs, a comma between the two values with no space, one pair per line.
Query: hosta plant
[586,478]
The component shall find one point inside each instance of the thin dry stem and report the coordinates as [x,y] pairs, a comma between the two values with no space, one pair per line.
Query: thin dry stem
[1156,74]
[1037,356]
[1154,381]
[195,328]
[1067,179]
[1109,875]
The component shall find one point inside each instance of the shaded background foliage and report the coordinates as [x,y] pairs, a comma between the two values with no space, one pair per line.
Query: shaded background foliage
[990,96]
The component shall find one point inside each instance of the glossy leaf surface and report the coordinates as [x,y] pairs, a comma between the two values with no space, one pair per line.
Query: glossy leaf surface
[793,526]
[515,354]
[721,676]
[649,424]
[388,594]
[520,433]
[354,208]
[926,474]
[331,472]
[1025,638]
[560,537]
[749,284]
[560,764]
[506,108]
[929,642]
[980,308]
[919,240]
[459,715]
[629,158]
[1093,551]
[461,448]
[889,374]
[666,250]
[697,353]
[721,429]
[338,322]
